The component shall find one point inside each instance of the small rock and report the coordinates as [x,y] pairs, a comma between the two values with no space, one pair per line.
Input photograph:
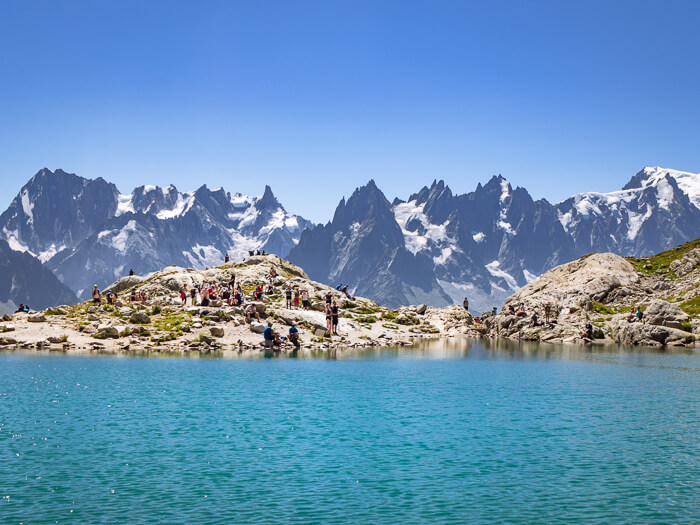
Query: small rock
[108,331]
[421,309]
[36,318]
[92,317]
[4,341]
[258,328]
[196,325]
[7,328]
[7,317]
[217,331]
[126,311]
[54,340]
[93,309]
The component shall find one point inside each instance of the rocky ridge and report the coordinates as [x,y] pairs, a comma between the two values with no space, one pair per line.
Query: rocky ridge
[606,290]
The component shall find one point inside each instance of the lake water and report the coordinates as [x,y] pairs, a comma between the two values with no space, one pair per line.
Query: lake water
[456,432]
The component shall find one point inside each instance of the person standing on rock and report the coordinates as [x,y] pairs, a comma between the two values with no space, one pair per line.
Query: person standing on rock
[328,317]
[288,297]
[296,297]
[334,318]
[226,258]
[193,295]
[329,298]
[96,297]
[465,303]
[305,299]
[547,312]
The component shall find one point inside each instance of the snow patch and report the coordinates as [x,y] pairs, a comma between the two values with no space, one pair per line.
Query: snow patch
[119,240]
[27,206]
[408,211]
[124,205]
[479,237]
[494,268]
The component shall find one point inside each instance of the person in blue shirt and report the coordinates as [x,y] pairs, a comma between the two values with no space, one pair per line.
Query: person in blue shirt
[270,337]
[294,335]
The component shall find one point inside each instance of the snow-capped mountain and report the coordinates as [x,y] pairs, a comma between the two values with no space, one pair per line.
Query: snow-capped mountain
[88,233]
[488,243]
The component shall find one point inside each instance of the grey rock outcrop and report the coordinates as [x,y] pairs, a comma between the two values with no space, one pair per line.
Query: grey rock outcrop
[139,318]
[663,313]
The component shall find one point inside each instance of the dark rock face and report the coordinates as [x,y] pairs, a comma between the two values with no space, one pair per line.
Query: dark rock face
[364,247]
[23,279]
[488,243]
[88,233]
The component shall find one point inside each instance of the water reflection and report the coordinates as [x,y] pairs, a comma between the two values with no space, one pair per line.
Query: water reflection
[429,349]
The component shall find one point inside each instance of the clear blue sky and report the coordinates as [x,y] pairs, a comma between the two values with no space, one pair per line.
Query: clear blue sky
[315,98]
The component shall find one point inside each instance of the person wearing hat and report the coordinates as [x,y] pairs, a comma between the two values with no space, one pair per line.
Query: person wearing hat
[96,297]
[294,335]
[270,337]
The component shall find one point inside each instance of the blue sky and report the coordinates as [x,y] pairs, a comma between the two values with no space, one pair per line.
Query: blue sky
[316,98]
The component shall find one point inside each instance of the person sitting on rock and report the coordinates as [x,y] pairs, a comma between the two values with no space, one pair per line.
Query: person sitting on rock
[258,293]
[534,320]
[237,299]
[588,332]
[638,314]
[251,312]
[132,297]
[205,301]
[270,336]
[345,291]
[96,297]
[20,309]
[294,335]
[131,273]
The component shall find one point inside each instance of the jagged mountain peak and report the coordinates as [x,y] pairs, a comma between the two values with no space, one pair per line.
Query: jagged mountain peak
[268,200]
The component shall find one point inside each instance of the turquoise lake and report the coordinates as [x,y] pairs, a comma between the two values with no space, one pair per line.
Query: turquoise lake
[455,432]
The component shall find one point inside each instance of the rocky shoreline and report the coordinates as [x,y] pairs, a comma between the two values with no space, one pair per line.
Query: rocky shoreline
[599,288]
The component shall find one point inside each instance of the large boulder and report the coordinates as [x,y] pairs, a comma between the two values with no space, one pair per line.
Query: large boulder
[125,283]
[139,318]
[571,287]
[217,331]
[37,318]
[663,313]
[637,333]
[107,331]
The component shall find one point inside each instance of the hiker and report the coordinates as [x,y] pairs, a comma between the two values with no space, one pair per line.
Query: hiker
[20,309]
[465,303]
[131,273]
[232,280]
[258,293]
[329,298]
[344,289]
[265,253]
[226,258]
[547,312]
[328,317]
[193,295]
[288,297]
[588,332]
[205,300]
[494,310]
[251,312]
[294,335]
[237,299]
[183,294]
[296,297]
[96,296]
[305,299]
[534,320]
[270,336]
[638,314]
[334,318]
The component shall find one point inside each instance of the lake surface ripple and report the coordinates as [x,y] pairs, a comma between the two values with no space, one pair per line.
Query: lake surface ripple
[456,432]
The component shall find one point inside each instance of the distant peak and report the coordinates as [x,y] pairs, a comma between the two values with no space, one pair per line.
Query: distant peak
[268,199]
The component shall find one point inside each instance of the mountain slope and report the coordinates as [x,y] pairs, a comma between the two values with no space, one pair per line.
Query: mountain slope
[23,279]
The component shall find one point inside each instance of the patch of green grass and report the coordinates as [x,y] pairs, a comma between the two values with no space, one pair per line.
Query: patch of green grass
[368,319]
[687,326]
[173,321]
[390,326]
[691,306]
[367,310]
[424,329]
[600,308]
[55,311]
[662,261]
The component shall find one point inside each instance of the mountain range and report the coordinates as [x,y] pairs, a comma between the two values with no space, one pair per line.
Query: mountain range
[436,247]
